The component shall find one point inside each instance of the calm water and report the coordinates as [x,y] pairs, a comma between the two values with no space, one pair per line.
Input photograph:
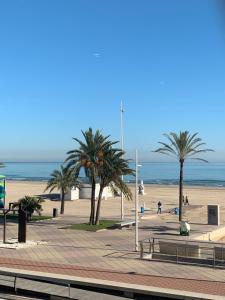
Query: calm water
[211,174]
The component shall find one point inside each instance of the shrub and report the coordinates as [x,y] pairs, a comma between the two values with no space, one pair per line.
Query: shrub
[31,204]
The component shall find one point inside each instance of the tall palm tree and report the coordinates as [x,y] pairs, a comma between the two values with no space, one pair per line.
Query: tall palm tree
[62,179]
[182,146]
[110,175]
[90,155]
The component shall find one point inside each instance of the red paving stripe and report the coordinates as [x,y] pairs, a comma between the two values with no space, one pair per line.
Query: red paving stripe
[191,285]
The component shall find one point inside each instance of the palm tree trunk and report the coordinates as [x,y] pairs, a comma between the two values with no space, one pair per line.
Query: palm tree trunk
[62,202]
[98,206]
[92,215]
[181,190]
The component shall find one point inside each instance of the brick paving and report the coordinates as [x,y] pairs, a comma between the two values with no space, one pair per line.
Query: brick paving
[110,254]
[199,286]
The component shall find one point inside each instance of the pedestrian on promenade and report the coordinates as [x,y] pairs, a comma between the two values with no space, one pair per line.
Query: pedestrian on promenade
[186,200]
[159,208]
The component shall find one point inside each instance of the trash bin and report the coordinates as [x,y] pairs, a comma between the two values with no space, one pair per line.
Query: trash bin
[185,228]
[55,212]
[142,209]
[176,211]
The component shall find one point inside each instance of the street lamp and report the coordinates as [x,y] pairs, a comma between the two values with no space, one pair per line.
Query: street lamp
[122,148]
[136,200]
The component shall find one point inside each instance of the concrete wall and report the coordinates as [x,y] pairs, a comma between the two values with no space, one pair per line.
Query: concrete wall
[72,194]
[85,192]
[213,235]
[107,193]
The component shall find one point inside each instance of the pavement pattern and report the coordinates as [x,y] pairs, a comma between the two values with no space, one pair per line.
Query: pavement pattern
[110,254]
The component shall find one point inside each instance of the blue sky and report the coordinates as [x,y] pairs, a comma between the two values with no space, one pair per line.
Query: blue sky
[66,65]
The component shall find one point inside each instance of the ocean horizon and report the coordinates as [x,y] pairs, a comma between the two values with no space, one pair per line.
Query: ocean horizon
[161,173]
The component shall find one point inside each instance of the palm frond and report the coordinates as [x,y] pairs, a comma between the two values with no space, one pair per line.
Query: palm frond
[182,145]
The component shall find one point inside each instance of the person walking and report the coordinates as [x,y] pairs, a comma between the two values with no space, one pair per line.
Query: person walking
[141,190]
[186,201]
[159,211]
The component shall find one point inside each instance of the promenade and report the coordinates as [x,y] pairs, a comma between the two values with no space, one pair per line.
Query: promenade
[109,255]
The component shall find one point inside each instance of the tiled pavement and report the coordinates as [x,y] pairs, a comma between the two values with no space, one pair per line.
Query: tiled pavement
[4,296]
[191,285]
[108,255]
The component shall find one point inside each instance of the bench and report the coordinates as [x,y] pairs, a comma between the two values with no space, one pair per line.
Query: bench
[125,224]
[184,250]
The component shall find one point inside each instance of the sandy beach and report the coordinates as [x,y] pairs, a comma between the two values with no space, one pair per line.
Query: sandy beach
[168,195]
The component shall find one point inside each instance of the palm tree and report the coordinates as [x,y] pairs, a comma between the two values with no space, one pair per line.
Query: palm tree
[62,179]
[110,175]
[90,155]
[30,204]
[182,146]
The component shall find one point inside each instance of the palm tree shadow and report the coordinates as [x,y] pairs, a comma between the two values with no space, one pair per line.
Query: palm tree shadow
[173,222]
[158,228]
[165,230]
[197,223]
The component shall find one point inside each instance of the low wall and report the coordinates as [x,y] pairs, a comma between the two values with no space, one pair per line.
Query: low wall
[85,192]
[72,194]
[213,235]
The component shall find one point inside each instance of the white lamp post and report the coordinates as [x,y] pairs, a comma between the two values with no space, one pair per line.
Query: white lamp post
[122,147]
[136,200]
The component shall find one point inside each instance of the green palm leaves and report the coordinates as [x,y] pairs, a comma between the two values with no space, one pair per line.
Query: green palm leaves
[62,180]
[30,204]
[91,153]
[183,146]
[110,175]
[102,162]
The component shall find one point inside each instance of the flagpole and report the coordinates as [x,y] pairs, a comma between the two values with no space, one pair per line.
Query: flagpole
[122,148]
[136,200]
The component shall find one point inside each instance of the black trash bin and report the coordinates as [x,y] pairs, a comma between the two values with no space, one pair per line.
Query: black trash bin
[55,212]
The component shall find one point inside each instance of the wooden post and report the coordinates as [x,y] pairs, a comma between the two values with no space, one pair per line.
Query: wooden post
[4,192]
[22,228]
[4,228]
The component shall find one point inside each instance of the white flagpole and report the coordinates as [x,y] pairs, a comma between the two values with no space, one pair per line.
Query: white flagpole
[122,148]
[136,200]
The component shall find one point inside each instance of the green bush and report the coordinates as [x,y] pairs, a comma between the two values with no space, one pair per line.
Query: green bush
[31,204]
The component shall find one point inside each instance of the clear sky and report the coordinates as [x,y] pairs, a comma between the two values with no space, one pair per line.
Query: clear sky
[66,65]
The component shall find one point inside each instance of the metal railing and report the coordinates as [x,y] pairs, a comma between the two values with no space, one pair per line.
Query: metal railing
[15,281]
[47,286]
[188,251]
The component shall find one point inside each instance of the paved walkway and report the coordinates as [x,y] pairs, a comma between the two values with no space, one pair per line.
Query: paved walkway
[200,286]
[46,288]
[110,249]
[7,296]
[110,254]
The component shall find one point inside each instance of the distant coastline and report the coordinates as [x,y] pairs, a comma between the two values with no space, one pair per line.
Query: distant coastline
[195,174]
[202,188]
[197,183]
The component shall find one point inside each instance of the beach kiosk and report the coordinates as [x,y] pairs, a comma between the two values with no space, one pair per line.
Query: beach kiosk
[2,191]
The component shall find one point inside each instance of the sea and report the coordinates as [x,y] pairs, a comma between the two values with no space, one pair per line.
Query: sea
[162,173]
